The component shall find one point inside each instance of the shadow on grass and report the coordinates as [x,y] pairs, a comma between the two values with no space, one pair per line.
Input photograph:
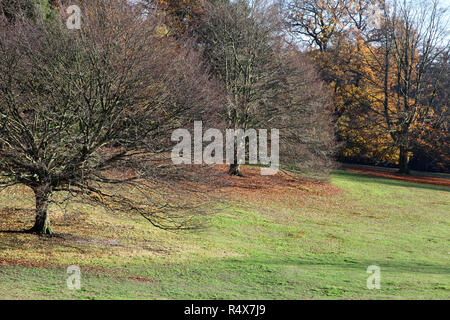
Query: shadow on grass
[367,178]
[27,231]
[15,231]
[386,265]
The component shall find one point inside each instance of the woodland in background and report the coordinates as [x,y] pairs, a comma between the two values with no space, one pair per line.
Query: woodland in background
[387,65]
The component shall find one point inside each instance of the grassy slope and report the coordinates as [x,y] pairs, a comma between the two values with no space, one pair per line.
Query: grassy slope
[312,247]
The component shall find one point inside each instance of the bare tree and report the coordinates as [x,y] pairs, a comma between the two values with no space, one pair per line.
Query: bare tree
[267,82]
[84,112]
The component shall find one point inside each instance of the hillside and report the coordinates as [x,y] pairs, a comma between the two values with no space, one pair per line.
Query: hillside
[295,240]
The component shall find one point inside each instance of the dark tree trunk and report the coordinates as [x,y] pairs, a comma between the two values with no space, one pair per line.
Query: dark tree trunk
[235,170]
[403,161]
[42,222]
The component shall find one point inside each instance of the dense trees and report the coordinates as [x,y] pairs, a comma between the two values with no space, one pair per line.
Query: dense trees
[84,112]
[386,63]
[413,42]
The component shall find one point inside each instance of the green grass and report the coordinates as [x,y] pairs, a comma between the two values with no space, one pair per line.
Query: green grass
[313,247]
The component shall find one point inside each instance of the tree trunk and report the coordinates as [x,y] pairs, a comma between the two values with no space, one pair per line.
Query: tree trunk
[42,223]
[235,170]
[403,161]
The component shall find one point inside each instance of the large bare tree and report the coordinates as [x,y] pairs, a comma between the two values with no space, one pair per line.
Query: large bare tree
[83,112]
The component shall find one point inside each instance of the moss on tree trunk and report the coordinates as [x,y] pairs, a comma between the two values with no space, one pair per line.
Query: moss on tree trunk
[42,222]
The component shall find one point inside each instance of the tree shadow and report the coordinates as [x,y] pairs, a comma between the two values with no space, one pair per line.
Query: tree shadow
[367,178]
[360,264]
[27,231]
[15,231]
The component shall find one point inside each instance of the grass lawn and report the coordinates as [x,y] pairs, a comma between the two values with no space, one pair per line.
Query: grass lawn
[295,241]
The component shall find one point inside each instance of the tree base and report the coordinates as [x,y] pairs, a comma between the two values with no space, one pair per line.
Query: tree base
[235,171]
[40,231]
[403,171]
